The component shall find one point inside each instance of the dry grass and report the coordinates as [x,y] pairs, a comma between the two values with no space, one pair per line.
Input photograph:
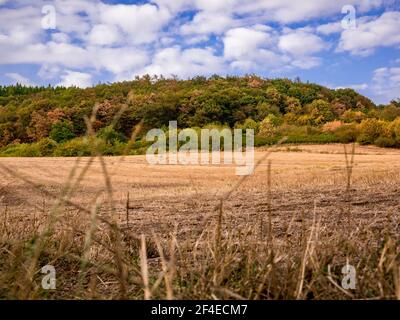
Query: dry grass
[284,233]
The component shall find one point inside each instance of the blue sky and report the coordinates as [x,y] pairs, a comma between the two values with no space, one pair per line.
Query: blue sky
[342,43]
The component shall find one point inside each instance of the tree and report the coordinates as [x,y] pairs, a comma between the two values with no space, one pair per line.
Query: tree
[293,105]
[62,131]
[267,127]
[264,109]
[249,124]
[109,135]
[320,112]
[370,130]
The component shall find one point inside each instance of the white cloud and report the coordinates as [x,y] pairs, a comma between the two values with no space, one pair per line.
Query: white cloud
[249,49]
[60,37]
[301,43]
[75,79]
[17,78]
[289,11]
[102,34]
[386,84]
[184,63]
[241,43]
[174,6]
[191,40]
[261,48]
[206,23]
[370,33]
[141,23]
[114,60]
[128,39]
[306,62]
[216,6]
[118,60]
[49,71]
[330,28]
[361,86]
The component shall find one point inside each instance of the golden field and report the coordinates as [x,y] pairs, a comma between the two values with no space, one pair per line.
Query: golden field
[281,233]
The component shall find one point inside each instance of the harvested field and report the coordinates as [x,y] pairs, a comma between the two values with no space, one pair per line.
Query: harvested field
[316,218]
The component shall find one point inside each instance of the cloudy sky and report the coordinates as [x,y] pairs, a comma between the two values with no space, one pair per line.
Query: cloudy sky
[84,42]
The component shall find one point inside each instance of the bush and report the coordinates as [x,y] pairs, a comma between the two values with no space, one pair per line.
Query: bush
[318,138]
[288,130]
[20,150]
[109,135]
[140,147]
[77,147]
[350,116]
[346,133]
[332,126]
[267,128]
[62,131]
[264,141]
[370,130]
[264,109]
[46,147]
[305,120]
[364,140]
[320,112]
[394,128]
[249,124]
[275,120]
[83,147]
[385,142]
[42,148]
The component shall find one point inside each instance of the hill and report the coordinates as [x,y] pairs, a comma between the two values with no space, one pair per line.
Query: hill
[51,121]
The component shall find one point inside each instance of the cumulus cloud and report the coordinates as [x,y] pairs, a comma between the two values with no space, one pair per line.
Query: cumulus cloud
[301,43]
[118,60]
[75,79]
[289,11]
[249,49]
[140,23]
[206,23]
[241,43]
[184,63]
[372,33]
[260,48]
[330,28]
[102,34]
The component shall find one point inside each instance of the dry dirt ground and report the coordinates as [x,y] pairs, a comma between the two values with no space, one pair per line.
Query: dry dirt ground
[304,179]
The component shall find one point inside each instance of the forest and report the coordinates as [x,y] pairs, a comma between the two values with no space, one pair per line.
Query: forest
[50,121]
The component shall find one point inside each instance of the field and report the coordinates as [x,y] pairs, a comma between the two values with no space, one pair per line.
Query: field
[285,232]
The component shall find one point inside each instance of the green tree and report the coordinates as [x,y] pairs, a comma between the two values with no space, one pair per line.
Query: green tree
[62,131]
[320,112]
[110,135]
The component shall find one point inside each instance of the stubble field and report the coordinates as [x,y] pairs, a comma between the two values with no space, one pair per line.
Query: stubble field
[284,232]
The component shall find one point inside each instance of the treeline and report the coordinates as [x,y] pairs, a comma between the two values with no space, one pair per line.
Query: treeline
[18,89]
[38,121]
